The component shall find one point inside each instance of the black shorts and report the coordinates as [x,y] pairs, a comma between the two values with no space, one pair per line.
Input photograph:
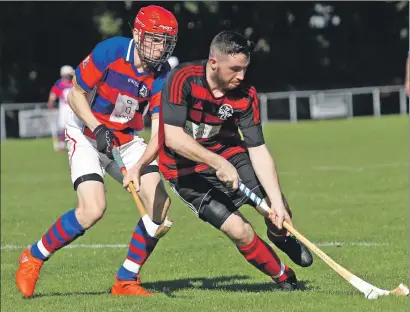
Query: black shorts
[209,198]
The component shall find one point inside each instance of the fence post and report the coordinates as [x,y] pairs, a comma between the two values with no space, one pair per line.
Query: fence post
[3,122]
[403,102]
[293,110]
[376,102]
[350,105]
[264,108]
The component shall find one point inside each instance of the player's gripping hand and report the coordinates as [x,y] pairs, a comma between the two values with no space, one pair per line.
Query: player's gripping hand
[106,140]
[278,214]
[133,176]
[228,174]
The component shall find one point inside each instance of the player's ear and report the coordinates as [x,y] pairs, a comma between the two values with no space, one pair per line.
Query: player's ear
[213,62]
[136,34]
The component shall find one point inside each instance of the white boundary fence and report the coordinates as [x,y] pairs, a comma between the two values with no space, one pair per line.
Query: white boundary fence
[323,104]
[332,103]
[36,109]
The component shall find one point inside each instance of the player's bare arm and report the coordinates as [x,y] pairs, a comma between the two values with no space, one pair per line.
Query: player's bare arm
[150,154]
[79,104]
[185,145]
[105,138]
[265,169]
[262,161]
[52,98]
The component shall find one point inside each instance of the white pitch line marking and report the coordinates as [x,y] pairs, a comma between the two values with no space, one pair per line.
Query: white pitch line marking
[358,169]
[99,246]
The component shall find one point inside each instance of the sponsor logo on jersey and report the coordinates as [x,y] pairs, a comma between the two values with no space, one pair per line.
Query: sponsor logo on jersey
[85,62]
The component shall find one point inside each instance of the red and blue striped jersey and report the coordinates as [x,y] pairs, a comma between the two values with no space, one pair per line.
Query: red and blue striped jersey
[122,95]
[61,89]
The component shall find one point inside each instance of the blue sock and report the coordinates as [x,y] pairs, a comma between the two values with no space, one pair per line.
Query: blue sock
[140,248]
[64,231]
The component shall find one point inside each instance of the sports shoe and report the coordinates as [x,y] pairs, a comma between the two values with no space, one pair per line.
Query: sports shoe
[28,272]
[290,245]
[287,281]
[129,288]
[296,250]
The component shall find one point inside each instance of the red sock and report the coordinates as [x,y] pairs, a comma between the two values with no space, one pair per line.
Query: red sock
[263,257]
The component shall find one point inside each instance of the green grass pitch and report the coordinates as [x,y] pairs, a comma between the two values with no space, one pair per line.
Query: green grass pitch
[346,181]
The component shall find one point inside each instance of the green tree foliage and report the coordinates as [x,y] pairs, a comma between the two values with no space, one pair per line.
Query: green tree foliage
[299,45]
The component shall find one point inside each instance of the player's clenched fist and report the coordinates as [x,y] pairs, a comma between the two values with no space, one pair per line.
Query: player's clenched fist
[133,176]
[106,140]
[278,214]
[228,174]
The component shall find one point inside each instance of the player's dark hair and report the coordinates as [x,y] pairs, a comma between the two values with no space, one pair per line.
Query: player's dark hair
[231,42]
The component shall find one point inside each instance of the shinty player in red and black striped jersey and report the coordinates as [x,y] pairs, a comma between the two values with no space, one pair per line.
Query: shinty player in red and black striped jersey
[204,105]
[211,120]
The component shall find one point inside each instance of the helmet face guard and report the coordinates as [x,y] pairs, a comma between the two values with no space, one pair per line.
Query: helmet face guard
[154,48]
[157,35]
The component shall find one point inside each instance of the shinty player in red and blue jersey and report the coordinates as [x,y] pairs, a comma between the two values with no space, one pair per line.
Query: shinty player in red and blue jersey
[124,94]
[60,91]
[114,87]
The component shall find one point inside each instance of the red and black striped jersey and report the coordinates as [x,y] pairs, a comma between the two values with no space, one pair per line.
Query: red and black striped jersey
[187,102]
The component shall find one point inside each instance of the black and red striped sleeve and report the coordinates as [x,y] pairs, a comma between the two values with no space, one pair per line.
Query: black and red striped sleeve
[250,123]
[174,98]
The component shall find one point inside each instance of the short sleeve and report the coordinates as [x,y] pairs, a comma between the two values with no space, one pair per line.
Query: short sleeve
[91,69]
[174,98]
[56,89]
[156,93]
[250,123]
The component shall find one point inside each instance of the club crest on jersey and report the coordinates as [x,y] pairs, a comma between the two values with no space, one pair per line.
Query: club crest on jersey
[225,111]
[143,92]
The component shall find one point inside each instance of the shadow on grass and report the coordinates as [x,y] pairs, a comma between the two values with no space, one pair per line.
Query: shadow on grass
[233,283]
[70,293]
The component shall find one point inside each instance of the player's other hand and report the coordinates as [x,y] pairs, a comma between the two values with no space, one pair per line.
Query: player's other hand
[106,140]
[133,176]
[407,88]
[228,174]
[278,214]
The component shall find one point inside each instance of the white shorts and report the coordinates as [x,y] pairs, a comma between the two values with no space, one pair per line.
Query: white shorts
[63,115]
[86,161]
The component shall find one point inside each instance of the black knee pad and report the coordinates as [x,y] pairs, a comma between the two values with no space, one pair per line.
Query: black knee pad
[149,169]
[88,177]
[216,211]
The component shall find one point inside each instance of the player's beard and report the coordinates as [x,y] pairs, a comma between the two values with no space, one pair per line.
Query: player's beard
[220,82]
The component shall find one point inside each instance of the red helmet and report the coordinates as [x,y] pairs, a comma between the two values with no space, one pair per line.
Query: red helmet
[158,30]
